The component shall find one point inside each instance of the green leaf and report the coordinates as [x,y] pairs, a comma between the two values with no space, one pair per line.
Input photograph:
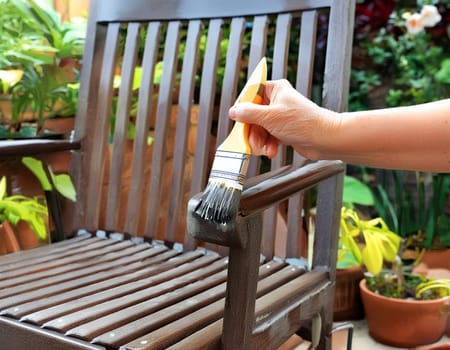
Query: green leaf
[443,75]
[2,187]
[65,187]
[357,192]
[36,167]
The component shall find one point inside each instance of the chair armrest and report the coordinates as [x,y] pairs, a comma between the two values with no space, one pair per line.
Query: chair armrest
[262,191]
[16,148]
[273,187]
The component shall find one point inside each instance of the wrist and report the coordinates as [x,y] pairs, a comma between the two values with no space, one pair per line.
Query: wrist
[325,134]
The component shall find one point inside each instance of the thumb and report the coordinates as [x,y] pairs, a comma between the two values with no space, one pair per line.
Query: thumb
[246,112]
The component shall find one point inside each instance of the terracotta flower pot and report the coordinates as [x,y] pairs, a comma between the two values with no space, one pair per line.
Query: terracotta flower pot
[8,240]
[404,323]
[437,258]
[347,299]
[26,237]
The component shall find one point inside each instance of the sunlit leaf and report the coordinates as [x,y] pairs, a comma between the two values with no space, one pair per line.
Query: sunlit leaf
[2,187]
[65,187]
[357,192]
[36,167]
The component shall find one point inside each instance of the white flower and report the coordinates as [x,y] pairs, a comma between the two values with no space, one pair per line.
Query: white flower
[430,15]
[414,24]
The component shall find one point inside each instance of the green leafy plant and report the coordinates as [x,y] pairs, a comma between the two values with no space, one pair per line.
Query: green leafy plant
[405,57]
[49,181]
[416,210]
[408,286]
[17,207]
[35,41]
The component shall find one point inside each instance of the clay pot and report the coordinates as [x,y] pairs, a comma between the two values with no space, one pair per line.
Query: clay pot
[8,240]
[437,258]
[347,299]
[26,237]
[404,323]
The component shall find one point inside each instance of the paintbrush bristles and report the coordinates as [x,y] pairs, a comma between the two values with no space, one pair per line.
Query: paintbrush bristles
[219,203]
[220,200]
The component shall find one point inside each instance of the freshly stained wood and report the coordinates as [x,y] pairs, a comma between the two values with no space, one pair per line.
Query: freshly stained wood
[67,302]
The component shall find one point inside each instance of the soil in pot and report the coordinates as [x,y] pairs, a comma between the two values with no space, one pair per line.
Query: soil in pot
[404,323]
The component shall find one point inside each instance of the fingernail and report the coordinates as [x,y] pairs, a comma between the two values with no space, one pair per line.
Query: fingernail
[232,112]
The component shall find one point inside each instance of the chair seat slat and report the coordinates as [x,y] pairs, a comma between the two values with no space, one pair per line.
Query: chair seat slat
[66,265]
[106,303]
[199,317]
[90,281]
[33,257]
[99,263]
[43,310]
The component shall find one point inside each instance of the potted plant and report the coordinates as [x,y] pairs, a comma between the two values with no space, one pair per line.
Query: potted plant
[347,299]
[47,51]
[24,212]
[403,309]
[389,293]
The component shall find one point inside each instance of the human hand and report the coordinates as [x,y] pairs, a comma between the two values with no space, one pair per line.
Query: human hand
[286,117]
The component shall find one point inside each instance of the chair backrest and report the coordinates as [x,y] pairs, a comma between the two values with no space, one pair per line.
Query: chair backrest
[148,138]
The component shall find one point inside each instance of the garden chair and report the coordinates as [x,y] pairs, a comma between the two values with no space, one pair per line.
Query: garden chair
[129,276]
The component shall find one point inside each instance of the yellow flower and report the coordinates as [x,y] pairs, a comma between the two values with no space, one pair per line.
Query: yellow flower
[430,15]
[414,24]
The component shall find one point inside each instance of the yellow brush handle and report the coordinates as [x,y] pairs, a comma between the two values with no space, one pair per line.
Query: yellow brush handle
[253,91]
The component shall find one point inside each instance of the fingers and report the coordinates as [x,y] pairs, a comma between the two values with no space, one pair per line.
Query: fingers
[261,142]
[271,147]
[249,113]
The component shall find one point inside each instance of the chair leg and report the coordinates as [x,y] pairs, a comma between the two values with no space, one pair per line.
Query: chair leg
[243,267]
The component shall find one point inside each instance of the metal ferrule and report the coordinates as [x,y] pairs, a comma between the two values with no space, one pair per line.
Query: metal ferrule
[230,168]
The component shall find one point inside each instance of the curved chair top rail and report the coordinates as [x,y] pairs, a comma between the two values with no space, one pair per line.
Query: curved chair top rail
[119,10]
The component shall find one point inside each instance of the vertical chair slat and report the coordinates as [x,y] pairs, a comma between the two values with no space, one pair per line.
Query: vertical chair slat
[307,50]
[207,91]
[231,76]
[102,114]
[305,69]
[140,147]
[257,51]
[162,124]
[121,125]
[182,130]
[89,79]
[279,67]
[339,44]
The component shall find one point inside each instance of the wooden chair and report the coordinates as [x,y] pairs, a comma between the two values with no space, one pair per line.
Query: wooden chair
[130,277]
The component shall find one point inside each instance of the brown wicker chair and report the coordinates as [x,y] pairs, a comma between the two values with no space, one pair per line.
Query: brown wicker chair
[130,277]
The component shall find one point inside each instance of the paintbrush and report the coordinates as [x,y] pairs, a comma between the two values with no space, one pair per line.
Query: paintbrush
[219,202]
